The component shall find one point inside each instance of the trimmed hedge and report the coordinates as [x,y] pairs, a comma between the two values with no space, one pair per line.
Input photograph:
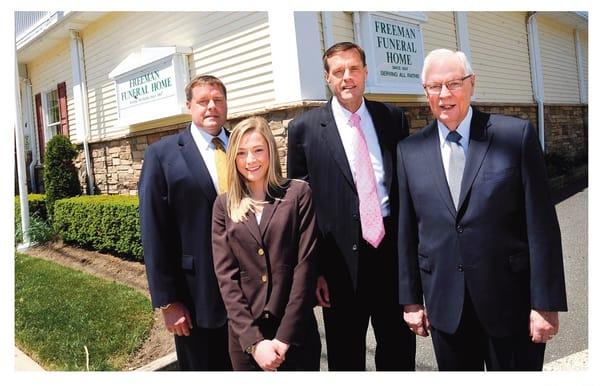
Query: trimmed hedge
[106,223]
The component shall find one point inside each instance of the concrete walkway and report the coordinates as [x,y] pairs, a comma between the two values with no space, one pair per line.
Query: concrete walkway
[24,363]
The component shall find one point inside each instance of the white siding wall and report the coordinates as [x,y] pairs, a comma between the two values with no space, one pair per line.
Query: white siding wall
[439,31]
[500,56]
[343,27]
[233,46]
[241,59]
[559,62]
[47,71]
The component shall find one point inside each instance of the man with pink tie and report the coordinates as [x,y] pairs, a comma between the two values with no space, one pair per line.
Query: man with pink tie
[346,151]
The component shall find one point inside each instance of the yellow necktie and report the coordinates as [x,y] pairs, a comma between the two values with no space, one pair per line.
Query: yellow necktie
[221,163]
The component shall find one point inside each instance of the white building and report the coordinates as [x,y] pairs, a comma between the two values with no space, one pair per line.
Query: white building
[113,81]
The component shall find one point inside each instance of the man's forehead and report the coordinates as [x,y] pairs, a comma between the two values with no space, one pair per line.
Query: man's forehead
[444,66]
[207,88]
[342,55]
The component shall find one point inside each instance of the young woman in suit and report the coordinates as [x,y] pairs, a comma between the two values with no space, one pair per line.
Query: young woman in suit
[264,240]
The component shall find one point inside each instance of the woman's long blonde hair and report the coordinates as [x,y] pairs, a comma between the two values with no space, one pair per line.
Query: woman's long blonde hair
[239,201]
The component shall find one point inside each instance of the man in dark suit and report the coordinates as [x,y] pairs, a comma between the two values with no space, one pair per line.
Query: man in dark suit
[178,186]
[346,151]
[478,234]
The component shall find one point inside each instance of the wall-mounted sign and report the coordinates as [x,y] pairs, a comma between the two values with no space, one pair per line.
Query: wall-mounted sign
[394,48]
[150,85]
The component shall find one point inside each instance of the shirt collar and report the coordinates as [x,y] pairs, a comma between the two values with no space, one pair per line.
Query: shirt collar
[341,113]
[204,139]
[464,129]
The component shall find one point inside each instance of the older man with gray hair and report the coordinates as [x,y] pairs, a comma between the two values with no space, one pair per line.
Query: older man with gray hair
[478,236]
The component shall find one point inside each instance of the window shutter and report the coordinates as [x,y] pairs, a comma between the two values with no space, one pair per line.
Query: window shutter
[63,109]
[39,113]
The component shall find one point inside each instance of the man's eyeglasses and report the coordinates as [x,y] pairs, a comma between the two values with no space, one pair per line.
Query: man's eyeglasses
[451,85]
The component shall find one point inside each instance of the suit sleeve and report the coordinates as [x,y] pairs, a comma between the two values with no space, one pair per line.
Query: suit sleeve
[297,167]
[302,293]
[296,158]
[157,231]
[409,279]
[227,270]
[543,232]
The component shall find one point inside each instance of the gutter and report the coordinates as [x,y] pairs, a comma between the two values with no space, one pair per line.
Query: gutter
[42,29]
[537,79]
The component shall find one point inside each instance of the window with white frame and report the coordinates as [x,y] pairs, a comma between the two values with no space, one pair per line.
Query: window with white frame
[52,113]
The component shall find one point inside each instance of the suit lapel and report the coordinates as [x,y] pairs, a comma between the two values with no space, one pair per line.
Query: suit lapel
[274,197]
[195,163]
[331,136]
[252,225]
[479,142]
[380,125]
[267,215]
[433,156]
[273,200]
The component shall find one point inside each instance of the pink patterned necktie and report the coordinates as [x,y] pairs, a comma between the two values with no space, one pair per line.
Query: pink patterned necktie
[370,210]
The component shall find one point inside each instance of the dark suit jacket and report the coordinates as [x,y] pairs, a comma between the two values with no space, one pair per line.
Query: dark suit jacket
[316,154]
[503,243]
[176,198]
[268,267]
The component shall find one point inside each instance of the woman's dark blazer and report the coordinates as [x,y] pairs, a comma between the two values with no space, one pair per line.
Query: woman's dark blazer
[268,267]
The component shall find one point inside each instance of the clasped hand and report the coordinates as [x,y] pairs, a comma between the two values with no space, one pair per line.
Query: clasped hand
[270,354]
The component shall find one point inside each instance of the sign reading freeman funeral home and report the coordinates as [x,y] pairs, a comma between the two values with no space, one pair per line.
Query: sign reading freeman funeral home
[146,86]
[394,54]
[149,85]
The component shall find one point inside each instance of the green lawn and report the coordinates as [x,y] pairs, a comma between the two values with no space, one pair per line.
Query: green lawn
[59,310]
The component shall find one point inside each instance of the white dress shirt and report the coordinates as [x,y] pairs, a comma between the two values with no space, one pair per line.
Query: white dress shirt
[347,133]
[464,129]
[206,148]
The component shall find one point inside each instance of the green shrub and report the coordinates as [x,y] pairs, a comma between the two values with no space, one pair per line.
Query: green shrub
[60,175]
[103,223]
[37,206]
[39,228]
[40,231]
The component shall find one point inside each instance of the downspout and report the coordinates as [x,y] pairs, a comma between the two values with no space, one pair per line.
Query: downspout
[28,111]
[537,79]
[81,103]
[579,54]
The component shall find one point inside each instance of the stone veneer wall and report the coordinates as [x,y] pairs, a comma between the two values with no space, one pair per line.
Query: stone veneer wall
[117,164]
[566,130]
